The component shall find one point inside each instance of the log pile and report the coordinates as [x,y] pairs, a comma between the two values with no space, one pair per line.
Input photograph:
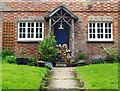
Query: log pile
[64,53]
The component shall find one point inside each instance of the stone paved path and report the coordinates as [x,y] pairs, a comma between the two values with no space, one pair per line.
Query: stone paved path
[63,78]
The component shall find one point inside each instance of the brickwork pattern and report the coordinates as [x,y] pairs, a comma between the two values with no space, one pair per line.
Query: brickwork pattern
[18,11]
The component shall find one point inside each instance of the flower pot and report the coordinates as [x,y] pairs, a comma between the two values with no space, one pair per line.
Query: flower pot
[41,63]
[23,61]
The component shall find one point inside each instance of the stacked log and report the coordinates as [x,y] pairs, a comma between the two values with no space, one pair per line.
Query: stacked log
[64,53]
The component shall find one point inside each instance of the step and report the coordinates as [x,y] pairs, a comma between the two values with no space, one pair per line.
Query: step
[64,89]
[61,65]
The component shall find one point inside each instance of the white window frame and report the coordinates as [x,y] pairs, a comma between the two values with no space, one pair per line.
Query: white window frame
[26,32]
[100,39]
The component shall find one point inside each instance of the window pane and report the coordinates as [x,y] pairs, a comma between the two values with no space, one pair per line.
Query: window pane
[36,35]
[36,24]
[98,30]
[90,35]
[28,24]
[93,30]
[101,24]
[40,35]
[28,32]
[109,30]
[98,25]
[101,35]
[20,30]
[105,30]
[23,29]
[40,30]
[105,24]
[23,35]
[93,35]
[106,36]
[40,24]
[98,35]
[32,24]
[110,25]
[90,25]
[94,25]
[32,32]
[101,30]
[36,32]
[90,30]
[23,24]
[20,24]
[20,35]
[32,29]
[109,35]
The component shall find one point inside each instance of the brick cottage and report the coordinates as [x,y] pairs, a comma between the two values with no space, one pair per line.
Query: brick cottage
[83,25]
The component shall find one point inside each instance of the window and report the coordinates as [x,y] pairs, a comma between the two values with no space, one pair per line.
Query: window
[99,31]
[30,31]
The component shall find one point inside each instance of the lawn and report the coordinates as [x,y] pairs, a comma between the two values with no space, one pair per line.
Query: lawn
[99,76]
[21,76]
[0,76]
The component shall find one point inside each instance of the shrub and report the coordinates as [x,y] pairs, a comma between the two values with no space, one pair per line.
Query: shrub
[97,59]
[80,57]
[10,59]
[7,52]
[48,49]
[111,55]
[32,61]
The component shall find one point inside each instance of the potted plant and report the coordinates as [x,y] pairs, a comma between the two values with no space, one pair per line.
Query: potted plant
[22,59]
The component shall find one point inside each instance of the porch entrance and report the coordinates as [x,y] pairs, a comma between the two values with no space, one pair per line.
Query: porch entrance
[61,22]
[61,35]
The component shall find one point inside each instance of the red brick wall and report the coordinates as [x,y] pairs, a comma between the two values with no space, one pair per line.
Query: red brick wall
[12,11]
[81,35]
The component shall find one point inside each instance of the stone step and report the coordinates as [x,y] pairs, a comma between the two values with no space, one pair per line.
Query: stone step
[64,89]
[61,64]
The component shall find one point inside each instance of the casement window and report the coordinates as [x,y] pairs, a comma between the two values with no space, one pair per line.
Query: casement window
[100,31]
[30,31]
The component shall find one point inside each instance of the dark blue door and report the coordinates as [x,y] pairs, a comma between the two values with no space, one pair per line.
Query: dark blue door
[61,35]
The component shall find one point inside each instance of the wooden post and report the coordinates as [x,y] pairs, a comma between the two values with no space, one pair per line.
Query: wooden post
[49,27]
[72,28]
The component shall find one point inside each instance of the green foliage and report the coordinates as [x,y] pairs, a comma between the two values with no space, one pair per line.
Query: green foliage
[111,55]
[98,60]
[48,65]
[48,49]
[80,57]
[99,76]
[22,77]
[7,52]
[32,61]
[10,59]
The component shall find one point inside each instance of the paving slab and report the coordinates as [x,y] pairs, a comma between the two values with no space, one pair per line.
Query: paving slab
[63,78]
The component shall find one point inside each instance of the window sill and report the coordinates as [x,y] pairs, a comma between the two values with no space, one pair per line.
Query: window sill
[100,41]
[28,41]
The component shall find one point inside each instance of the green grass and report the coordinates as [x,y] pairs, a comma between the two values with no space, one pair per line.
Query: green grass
[21,76]
[0,76]
[99,76]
